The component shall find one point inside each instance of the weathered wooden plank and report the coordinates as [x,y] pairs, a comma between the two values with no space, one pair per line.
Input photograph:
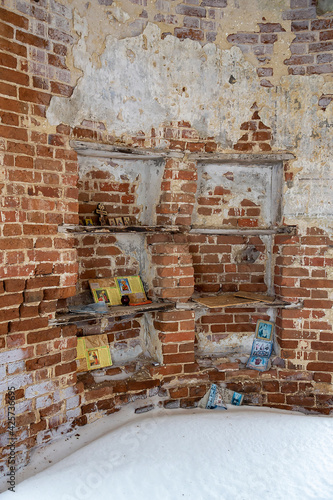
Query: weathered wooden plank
[115,151]
[68,228]
[255,296]
[244,231]
[115,312]
[231,300]
[225,300]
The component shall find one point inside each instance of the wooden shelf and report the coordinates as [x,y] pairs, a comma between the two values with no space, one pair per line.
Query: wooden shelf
[244,231]
[77,229]
[231,300]
[242,158]
[115,312]
[116,151]
[68,228]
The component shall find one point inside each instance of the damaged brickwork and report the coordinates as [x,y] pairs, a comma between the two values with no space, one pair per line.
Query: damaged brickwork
[184,78]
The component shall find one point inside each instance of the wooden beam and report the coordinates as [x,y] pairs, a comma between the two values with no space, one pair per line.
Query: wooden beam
[255,296]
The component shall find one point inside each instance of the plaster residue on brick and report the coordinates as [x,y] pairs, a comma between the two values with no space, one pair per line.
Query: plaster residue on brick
[143,175]
[300,125]
[92,20]
[239,345]
[145,81]
[152,343]
[242,196]
[259,12]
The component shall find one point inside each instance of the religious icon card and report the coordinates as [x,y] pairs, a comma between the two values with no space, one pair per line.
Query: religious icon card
[119,221]
[88,221]
[264,330]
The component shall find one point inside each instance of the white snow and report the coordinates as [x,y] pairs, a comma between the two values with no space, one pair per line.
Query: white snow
[244,453]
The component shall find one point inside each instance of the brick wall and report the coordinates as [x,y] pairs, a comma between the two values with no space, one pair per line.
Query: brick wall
[119,197]
[218,267]
[41,268]
[38,192]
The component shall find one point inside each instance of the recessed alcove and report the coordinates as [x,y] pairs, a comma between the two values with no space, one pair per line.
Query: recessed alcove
[126,182]
[126,187]
[228,248]
[238,211]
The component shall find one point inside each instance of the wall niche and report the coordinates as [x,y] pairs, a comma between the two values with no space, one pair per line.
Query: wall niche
[238,210]
[127,183]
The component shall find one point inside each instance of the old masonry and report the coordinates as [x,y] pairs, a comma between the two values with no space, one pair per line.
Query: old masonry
[201,132]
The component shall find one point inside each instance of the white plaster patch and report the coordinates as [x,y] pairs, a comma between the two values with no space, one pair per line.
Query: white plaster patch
[161,81]
[118,13]
[234,344]
[126,355]
[151,341]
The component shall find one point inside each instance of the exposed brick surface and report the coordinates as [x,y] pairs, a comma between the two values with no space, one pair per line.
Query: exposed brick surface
[40,267]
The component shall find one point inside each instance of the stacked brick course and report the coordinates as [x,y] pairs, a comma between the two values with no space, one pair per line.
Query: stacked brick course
[38,192]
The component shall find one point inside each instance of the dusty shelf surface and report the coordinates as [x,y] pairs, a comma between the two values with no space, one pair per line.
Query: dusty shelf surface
[68,228]
[291,230]
[78,229]
[233,299]
[115,312]
[231,361]
[267,158]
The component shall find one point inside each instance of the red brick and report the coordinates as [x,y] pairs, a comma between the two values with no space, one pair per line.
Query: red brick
[28,324]
[13,299]
[178,358]
[35,96]
[189,10]
[270,27]
[181,392]
[43,335]
[276,398]
[320,367]
[25,419]
[14,285]
[271,386]
[193,34]
[7,89]
[61,88]
[30,39]
[36,363]
[309,13]
[15,19]
[300,400]
[65,368]
[322,377]
[16,340]
[59,36]
[138,385]
[243,38]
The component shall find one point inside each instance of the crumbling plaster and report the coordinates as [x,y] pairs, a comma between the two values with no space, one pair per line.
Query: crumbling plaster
[144,81]
[124,19]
